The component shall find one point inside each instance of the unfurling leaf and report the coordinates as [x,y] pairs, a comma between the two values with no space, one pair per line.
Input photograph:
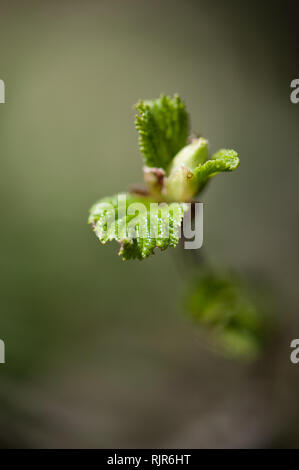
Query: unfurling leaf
[221,161]
[190,170]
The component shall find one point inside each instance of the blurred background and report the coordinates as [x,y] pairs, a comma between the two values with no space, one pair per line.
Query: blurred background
[99,352]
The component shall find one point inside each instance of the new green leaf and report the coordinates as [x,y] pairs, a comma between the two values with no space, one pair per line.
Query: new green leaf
[163,127]
[138,223]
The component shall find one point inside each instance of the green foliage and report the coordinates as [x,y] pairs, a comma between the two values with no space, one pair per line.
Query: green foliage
[226,308]
[138,223]
[174,172]
[163,127]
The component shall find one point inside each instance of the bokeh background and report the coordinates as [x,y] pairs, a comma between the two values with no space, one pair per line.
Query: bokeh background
[99,353]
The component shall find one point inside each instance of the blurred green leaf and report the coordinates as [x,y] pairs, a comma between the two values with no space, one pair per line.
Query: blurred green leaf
[225,307]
